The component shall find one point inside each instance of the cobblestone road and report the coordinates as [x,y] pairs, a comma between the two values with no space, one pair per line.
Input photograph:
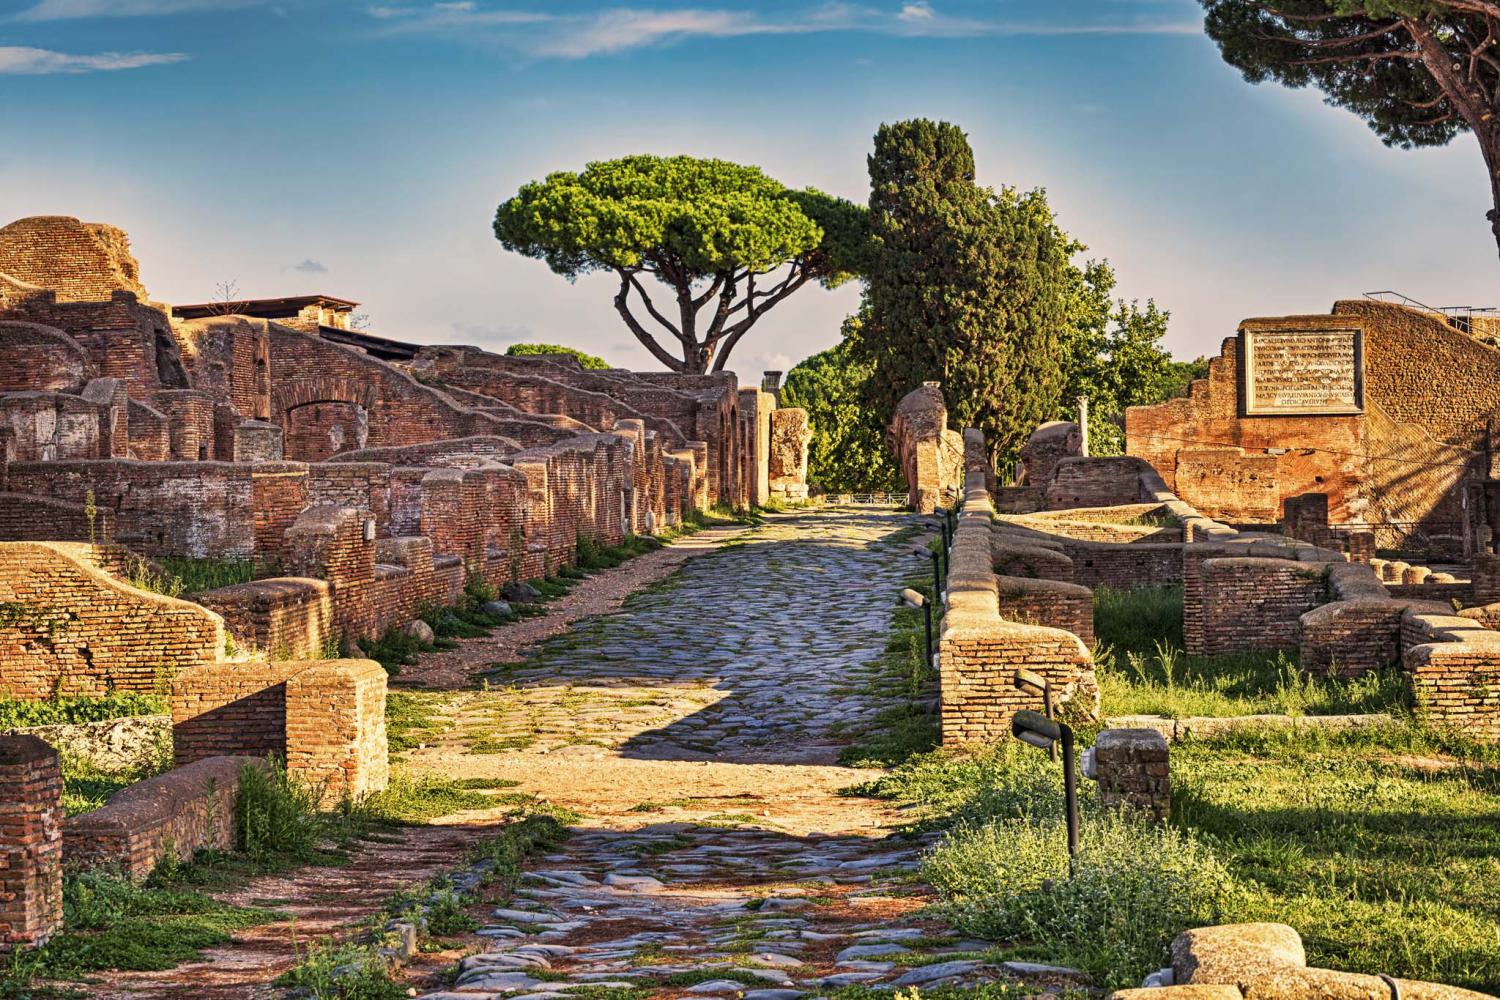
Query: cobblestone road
[697,730]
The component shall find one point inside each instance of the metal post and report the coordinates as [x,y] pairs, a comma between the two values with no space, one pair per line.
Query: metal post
[927,613]
[937,577]
[1070,793]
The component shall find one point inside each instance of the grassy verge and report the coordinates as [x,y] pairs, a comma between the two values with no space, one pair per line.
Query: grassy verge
[906,678]
[110,923]
[1379,845]
[1144,671]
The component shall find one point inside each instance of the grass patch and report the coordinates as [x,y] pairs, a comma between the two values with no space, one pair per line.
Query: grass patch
[907,678]
[420,800]
[1380,845]
[1143,670]
[73,709]
[413,718]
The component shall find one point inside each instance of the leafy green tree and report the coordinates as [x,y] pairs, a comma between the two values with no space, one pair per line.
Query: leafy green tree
[967,286]
[727,241]
[1113,355]
[586,360]
[848,452]
[1419,72]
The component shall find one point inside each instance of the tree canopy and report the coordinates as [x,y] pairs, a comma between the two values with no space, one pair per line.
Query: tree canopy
[586,360]
[1113,355]
[728,241]
[966,286]
[848,453]
[1419,72]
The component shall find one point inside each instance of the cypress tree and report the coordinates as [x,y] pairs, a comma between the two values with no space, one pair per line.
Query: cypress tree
[966,286]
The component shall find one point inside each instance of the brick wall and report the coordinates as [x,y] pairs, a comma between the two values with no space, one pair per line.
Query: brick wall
[1034,561]
[31,820]
[198,509]
[25,517]
[325,718]
[1125,567]
[287,618]
[176,814]
[1093,482]
[1458,683]
[979,651]
[47,426]
[1255,603]
[69,627]
[1048,602]
[330,543]
[36,358]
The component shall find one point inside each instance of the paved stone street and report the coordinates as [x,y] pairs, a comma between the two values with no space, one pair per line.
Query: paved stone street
[762,651]
[696,730]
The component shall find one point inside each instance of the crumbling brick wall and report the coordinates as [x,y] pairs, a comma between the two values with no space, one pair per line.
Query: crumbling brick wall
[1093,482]
[325,718]
[979,651]
[333,544]
[196,509]
[1133,768]
[287,618]
[931,455]
[66,626]
[31,843]
[174,815]
[1048,602]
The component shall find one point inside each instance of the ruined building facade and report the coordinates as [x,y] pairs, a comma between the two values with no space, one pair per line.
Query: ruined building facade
[364,476]
[1387,409]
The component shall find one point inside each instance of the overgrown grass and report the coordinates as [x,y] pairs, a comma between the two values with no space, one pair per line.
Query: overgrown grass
[197,575]
[87,787]
[72,709]
[1381,845]
[1144,671]
[413,718]
[906,678]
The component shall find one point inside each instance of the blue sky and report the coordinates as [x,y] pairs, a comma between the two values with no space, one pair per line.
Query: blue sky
[359,149]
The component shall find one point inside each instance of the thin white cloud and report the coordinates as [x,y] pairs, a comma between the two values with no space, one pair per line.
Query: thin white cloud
[620,29]
[69,10]
[20,60]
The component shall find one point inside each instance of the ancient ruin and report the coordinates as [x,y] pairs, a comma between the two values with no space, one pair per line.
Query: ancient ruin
[1304,513]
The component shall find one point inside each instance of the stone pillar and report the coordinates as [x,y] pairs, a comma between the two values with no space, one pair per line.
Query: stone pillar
[1083,427]
[1133,769]
[771,382]
[31,823]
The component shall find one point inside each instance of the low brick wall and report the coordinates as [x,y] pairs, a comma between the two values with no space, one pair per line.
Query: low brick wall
[31,844]
[1453,664]
[1095,482]
[175,814]
[1125,567]
[1034,561]
[1051,603]
[69,627]
[979,651]
[325,718]
[289,618]
[1133,769]
[1254,603]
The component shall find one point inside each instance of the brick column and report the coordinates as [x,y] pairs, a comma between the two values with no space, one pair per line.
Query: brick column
[1486,579]
[31,820]
[1133,769]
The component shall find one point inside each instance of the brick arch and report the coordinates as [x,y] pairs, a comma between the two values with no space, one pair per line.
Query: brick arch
[290,394]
